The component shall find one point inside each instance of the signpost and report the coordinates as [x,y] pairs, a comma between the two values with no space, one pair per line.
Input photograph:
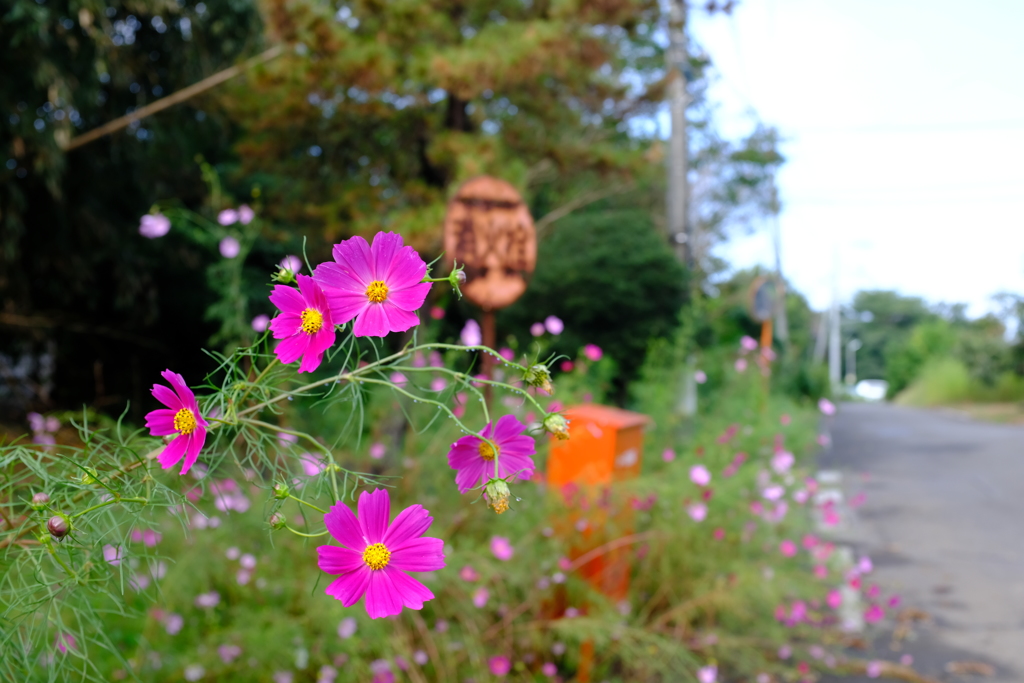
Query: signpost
[489,230]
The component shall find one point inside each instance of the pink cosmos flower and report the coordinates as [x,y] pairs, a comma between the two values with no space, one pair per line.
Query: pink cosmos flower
[827,407]
[697,511]
[305,326]
[499,666]
[65,642]
[554,325]
[437,313]
[245,214]
[502,548]
[154,225]
[507,353]
[567,366]
[707,674]
[480,597]
[700,475]
[173,623]
[261,322]
[537,329]
[311,465]
[821,571]
[834,599]
[181,417]
[207,600]
[377,451]
[873,669]
[347,628]
[380,286]
[229,247]
[291,263]
[471,334]
[773,492]
[741,365]
[229,653]
[782,461]
[700,377]
[874,614]
[787,548]
[377,554]
[474,459]
[593,352]
[748,343]
[549,669]
[668,455]
[467,573]
[227,217]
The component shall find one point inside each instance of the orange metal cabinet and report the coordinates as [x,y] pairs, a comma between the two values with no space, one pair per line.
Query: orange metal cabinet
[605,445]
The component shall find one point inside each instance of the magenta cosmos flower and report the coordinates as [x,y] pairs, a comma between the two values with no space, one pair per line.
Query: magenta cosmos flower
[181,417]
[473,458]
[305,326]
[380,286]
[376,555]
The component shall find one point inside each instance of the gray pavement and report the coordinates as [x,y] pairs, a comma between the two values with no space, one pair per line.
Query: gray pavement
[943,522]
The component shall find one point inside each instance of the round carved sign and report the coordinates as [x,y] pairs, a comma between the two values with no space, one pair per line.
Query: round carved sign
[489,230]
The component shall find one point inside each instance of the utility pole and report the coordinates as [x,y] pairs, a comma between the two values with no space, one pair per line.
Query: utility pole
[677,192]
[781,319]
[835,348]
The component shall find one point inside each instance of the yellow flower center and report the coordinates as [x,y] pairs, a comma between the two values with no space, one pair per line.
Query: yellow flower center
[487,452]
[377,291]
[185,421]
[312,321]
[376,556]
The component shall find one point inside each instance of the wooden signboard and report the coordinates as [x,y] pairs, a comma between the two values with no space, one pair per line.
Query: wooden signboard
[488,228]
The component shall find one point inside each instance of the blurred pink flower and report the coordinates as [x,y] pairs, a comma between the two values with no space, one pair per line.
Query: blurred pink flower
[537,329]
[248,561]
[874,669]
[420,657]
[507,353]
[907,660]
[347,628]
[549,669]
[480,597]
[229,247]
[707,674]
[207,600]
[471,335]
[438,384]
[436,312]
[245,214]
[773,492]
[864,565]
[821,571]
[748,343]
[834,599]
[782,461]
[719,534]
[398,379]
[467,573]
[261,322]
[554,325]
[311,465]
[593,352]
[173,623]
[700,377]
[697,511]
[874,614]
[700,475]
[229,653]
[741,365]
[785,652]
[291,263]
[502,548]
[377,451]
[567,366]
[65,642]
[785,420]
[824,440]
[810,541]
[827,407]
[787,548]
[499,666]
[668,455]
[227,217]
[243,576]
[112,554]
[894,601]
[154,225]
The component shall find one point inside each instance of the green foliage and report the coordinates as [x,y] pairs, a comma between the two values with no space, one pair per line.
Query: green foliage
[905,360]
[883,322]
[613,281]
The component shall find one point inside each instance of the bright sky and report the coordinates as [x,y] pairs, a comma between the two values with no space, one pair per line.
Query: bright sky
[905,128]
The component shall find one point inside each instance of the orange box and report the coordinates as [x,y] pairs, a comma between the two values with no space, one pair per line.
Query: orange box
[605,445]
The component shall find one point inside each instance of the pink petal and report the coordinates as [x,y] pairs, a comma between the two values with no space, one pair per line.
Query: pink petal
[336,278]
[310,358]
[291,349]
[372,323]
[173,452]
[286,325]
[287,299]
[195,444]
[355,259]
[471,476]
[351,586]
[409,298]
[406,269]
[418,555]
[344,526]
[167,397]
[335,560]
[411,592]
[178,383]
[507,427]
[398,319]
[374,514]
[411,523]
[386,245]
[382,597]
[160,422]
[346,305]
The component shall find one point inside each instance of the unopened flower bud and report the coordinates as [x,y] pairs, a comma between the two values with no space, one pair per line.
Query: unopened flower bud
[277,521]
[456,278]
[90,476]
[540,377]
[40,500]
[284,276]
[58,526]
[557,425]
[497,495]
[281,491]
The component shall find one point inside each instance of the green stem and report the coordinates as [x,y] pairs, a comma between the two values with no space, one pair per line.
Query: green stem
[299,533]
[423,400]
[109,502]
[278,428]
[256,381]
[299,500]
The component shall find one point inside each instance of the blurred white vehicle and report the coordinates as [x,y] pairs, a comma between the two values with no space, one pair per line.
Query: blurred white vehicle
[871,389]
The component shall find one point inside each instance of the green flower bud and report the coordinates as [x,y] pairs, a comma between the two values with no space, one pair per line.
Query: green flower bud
[277,521]
[540,377]
[497,495]
[557,425]
[90,476]
[281,491]
[40,501]
[284,276]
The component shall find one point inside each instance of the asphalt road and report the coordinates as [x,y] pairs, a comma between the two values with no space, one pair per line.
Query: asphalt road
[943,521]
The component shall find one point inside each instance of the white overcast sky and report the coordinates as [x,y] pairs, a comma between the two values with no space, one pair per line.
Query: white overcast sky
[904,122]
